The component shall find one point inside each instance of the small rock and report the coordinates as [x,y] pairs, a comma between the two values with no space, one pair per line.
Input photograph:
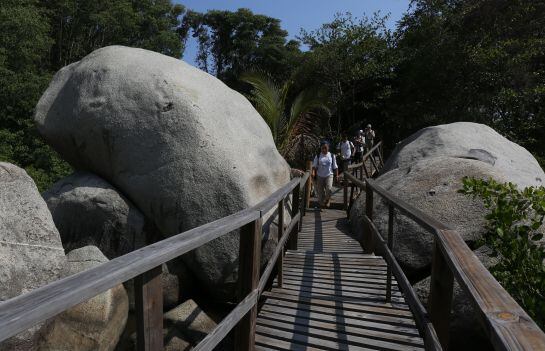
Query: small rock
[96,324]
[190,320]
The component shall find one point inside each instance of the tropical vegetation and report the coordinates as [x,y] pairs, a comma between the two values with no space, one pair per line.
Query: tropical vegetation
[515,236]
[445,61]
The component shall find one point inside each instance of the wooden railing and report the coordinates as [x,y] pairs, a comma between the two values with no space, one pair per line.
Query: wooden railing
[367,168]
[507,325]
[144,265]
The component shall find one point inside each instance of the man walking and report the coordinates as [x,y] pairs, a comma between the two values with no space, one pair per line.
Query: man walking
[347,150]
[369,138]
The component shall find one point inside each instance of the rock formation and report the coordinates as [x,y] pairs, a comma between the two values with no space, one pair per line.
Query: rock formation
[426,170]
[180,144]
[96,324]
[31,252]
[87,210]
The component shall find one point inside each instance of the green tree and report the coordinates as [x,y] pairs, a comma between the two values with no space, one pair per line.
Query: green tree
[24,46]
[79,27]
[353,59]
[481,61]
[231,43]
[287,118]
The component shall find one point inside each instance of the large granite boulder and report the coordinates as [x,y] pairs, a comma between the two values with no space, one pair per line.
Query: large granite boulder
[96,324]
[431,185]
[426,170]
[87,210]
[176,141]
[31,252]
[468,140]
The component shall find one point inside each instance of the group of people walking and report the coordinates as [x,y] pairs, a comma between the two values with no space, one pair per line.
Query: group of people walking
[325,166]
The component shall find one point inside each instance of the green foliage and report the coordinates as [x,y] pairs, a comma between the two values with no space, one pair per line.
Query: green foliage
[231,43]
[286,120]
[515,234]
[481,61]
[353,59]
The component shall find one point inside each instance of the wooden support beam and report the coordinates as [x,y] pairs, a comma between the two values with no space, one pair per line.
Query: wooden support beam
[440,299]
[148,297]
[296,208]
[390,244]
[248,280]
[280,262]
[368,238]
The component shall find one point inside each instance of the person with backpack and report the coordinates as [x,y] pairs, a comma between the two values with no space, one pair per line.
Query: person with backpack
[347,151]
[359,143]
[324,167]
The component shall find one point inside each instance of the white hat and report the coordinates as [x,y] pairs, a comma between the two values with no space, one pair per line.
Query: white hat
[361,131]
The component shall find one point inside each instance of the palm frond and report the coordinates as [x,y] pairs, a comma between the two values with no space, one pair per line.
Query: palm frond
[267,98]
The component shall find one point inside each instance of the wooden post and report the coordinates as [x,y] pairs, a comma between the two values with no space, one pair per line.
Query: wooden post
[368,236]
[381,155]
[345,193]
[280,261]
[351,201]
[296,208]
[309,185]
[390,246]
[148,298]
[248,280]
[440,299]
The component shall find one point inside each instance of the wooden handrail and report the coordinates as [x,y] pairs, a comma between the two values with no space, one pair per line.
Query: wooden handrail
[507,325]
[23,312]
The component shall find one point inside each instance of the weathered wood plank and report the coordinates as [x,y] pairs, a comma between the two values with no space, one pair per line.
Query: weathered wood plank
[148,301]
[248,280]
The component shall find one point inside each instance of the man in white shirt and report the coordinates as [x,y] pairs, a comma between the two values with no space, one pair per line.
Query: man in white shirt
[323,168]
[347,150]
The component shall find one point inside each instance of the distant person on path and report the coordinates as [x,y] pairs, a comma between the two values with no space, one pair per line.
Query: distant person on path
[347,151]
[359,143]
[323,168]
[369,138]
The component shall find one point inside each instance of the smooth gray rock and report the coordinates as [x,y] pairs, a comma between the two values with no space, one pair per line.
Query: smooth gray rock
[189,320]
[471,141]
[31,252]
[87,210]
[431,185]
[96,324]
[184,147]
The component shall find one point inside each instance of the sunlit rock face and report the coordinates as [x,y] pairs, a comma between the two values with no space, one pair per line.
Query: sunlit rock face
[180,144]
[31,252]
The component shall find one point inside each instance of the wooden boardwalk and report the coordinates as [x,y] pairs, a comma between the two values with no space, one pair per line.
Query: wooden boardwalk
[333,295]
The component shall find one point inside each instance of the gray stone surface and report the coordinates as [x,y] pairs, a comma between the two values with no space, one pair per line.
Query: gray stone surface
[180,144]
[31,252]
[431,185]
[472,141]
[189,320]
[87,210]
[96,324]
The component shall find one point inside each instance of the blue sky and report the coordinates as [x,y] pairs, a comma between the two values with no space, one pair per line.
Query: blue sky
[297,14]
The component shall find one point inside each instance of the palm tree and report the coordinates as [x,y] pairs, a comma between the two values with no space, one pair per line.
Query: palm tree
[288,122]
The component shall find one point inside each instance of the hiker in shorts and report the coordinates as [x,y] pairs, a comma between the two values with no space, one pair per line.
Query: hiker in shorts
[324,167]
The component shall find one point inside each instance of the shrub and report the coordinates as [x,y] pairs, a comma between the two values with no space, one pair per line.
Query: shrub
[513,234]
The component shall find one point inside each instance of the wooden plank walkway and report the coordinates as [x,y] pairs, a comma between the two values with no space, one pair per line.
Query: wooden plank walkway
[333,295]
